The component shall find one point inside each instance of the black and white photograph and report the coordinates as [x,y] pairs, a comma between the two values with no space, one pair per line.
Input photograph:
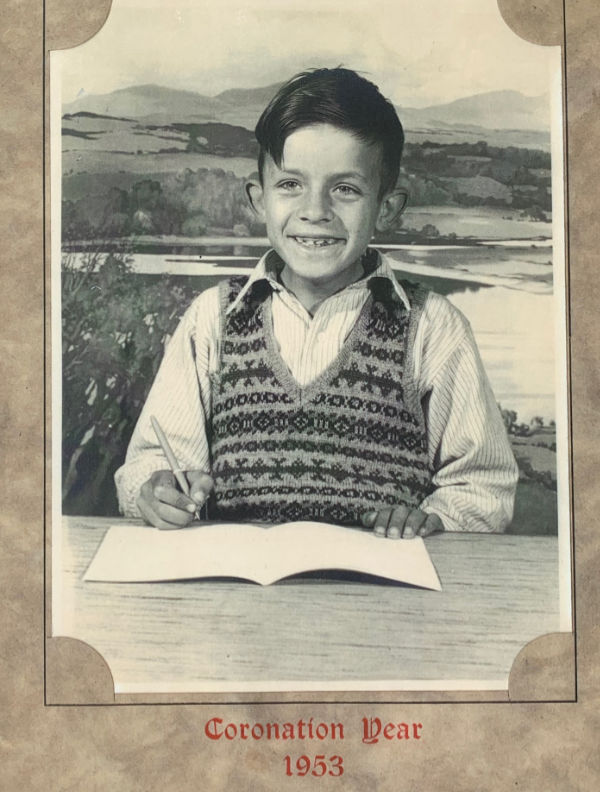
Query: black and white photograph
[310,388]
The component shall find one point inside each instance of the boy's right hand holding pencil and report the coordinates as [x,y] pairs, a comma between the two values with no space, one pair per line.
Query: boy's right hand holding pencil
[160,502]
[164,505]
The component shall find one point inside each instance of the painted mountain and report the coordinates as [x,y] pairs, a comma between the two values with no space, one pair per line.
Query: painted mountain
[154,104]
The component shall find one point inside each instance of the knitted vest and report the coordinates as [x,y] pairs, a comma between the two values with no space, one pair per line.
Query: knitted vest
[351,441]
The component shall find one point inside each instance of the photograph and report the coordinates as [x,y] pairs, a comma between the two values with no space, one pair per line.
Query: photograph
[310,393]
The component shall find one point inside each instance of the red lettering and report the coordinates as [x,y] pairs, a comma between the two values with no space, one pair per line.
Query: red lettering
[403,733]
[319,765]
[322,731]
[371,730]
[337,727]
[388,731]
[211,729]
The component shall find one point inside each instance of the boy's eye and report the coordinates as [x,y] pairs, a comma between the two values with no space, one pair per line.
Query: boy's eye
[347,190]
[289,185]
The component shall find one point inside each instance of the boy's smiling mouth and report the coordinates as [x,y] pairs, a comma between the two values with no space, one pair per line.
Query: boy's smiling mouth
[317,241]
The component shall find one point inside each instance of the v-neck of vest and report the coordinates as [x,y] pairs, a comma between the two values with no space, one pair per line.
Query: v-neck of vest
[283,373]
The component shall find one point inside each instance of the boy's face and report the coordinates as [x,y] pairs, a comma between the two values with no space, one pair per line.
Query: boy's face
[322,205]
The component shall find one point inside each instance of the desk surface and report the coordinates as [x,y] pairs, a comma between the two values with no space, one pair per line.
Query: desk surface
[499,592]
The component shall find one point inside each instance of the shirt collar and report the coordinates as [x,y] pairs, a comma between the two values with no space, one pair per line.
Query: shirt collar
[269,266]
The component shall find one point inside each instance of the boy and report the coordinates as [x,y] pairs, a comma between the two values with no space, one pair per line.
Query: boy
[320,388]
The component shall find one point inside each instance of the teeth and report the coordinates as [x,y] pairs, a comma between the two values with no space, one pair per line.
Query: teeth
[316,242]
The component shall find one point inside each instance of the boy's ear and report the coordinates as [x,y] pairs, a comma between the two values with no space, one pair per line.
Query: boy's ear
[392,206]
[255,194]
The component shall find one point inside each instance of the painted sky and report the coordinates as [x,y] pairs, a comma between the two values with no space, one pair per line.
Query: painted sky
[419,53]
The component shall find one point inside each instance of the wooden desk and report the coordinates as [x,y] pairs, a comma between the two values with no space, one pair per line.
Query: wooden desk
[499,593]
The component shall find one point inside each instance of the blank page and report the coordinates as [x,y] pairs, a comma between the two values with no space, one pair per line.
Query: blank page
[140,553]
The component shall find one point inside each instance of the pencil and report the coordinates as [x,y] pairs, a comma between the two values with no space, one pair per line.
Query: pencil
[171,458]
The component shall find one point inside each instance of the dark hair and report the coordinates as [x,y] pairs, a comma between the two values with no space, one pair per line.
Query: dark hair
[332,96]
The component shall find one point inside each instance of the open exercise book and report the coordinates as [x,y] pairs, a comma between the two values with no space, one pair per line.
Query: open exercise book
[139,553]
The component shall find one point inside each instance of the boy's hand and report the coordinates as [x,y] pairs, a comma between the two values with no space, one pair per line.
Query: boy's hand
[402,522]
[163,505]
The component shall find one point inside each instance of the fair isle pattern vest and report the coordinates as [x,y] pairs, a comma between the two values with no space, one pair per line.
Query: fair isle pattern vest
[352,440]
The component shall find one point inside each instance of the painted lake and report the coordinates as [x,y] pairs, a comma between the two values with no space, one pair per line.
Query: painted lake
[504,288]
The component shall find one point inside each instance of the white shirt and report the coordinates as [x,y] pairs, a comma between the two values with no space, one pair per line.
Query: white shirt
[474,471]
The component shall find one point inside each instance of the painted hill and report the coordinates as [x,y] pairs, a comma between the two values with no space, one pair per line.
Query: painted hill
[150,103]
[249,97]
[492,110]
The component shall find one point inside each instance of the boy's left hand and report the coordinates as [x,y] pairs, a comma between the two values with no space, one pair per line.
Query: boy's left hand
[402,522]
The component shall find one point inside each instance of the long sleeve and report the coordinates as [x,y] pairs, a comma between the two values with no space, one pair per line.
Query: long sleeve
[475,473]
[180,400]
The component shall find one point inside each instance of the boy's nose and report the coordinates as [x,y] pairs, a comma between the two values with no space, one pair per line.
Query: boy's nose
[316,207]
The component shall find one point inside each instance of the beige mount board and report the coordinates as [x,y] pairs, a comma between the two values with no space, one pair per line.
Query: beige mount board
[467,745]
